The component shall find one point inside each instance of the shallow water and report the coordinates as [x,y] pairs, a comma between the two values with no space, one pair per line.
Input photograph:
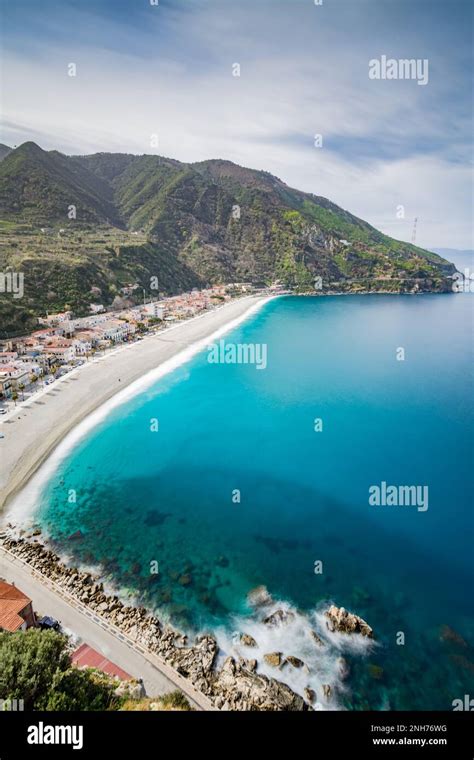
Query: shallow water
[168,497]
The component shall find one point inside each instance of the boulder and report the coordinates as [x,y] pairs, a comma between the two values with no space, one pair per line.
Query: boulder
[273,659]
[130,690]
[279,617]
[339,619]
[310,694]
[295,661]
[247,640]
[243,690]
[343,667]
[326,690]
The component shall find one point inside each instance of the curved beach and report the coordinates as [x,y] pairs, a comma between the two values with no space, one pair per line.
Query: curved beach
[36,427]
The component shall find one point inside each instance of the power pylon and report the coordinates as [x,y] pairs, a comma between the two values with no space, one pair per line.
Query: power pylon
[413,235]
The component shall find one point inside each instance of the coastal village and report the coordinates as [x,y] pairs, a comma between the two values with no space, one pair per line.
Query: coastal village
[63,341]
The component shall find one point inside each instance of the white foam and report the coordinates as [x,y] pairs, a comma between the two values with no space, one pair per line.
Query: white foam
[25,502]
[323,665]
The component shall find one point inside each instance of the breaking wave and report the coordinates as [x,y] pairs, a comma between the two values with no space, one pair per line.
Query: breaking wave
[312,660]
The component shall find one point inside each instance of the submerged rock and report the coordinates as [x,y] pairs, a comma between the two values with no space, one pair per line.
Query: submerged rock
[448,634]
[78,534]
[376,671]
[259,597]
[343,621]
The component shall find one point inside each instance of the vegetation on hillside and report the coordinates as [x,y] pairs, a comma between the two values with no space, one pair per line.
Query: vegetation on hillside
[138,217]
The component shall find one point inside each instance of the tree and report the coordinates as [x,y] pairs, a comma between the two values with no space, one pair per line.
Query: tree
[35,666]
[81,690]
[28,663]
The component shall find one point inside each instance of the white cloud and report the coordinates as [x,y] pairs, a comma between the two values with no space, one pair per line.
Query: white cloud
[266,119]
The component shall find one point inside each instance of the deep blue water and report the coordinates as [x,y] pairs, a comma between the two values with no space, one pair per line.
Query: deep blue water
[167,495]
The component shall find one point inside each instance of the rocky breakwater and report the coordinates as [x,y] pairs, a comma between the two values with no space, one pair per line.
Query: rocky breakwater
[234,686]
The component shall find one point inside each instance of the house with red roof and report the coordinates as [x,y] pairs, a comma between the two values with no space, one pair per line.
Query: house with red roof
[87,657]
[16,609]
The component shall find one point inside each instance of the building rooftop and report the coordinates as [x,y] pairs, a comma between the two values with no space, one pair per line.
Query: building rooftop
[12,602]
[86,657]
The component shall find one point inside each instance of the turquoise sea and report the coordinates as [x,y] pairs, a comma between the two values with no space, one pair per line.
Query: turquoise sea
[169,496]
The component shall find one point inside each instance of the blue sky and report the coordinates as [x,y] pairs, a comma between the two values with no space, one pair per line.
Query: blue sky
[166,70]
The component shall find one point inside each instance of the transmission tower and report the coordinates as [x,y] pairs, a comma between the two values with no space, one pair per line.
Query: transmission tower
[413,235]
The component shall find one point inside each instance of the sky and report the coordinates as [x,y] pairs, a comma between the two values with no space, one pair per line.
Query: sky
[160,79]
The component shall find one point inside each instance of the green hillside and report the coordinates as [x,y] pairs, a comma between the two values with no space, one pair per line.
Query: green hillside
[188,224]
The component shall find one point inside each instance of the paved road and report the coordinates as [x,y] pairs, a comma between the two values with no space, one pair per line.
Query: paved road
[48,601]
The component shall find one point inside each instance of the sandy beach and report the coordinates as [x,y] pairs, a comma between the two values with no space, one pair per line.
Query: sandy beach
[34,429]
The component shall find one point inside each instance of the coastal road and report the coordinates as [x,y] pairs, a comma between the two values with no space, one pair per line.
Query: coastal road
[48,601]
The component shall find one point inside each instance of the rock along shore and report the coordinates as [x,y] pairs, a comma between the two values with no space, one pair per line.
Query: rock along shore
[234,686]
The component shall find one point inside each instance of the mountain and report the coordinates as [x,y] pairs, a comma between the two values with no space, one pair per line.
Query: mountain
[4,151]
[41,186]
[138,217]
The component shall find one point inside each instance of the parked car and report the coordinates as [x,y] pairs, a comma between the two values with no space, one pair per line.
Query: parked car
[47,623]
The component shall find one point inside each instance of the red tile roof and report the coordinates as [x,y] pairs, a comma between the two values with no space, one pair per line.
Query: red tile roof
[12,602]
[86,657]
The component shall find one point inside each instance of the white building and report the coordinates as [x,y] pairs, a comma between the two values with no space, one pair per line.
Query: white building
[61,354]
[115,330]
[82,346]
[153,310]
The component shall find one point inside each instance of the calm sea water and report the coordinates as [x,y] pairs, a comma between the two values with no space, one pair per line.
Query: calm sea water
[169,496]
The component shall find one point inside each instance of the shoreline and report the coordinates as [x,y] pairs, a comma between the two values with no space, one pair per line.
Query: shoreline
[214,676]
[82,398]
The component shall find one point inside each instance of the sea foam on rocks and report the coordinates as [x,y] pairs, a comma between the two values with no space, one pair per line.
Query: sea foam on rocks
[278,659]
[304,650]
